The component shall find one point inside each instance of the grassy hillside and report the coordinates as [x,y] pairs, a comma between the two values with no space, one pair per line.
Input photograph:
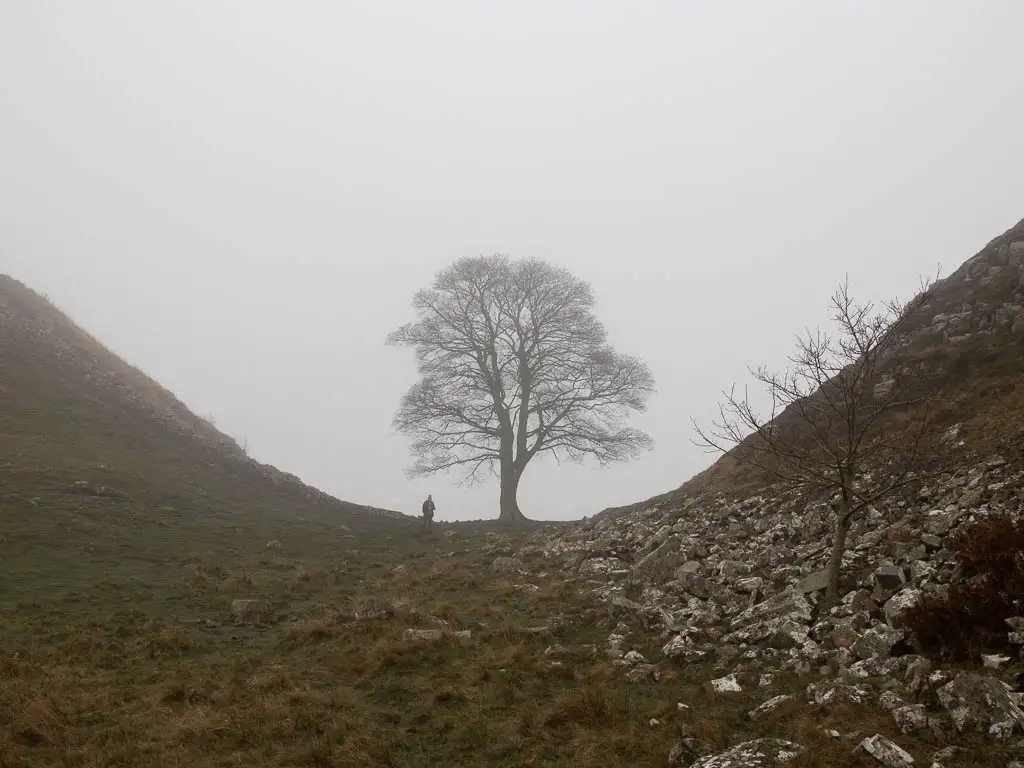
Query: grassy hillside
[73,412]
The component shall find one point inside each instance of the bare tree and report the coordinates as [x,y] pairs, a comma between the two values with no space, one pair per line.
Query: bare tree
[850,419]
[513,363]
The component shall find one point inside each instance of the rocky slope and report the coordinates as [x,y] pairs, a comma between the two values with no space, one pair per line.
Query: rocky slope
[738,584]
[728,572]
[74,411]
[971,332]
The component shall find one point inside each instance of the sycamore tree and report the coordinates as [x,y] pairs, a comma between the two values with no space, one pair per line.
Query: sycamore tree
[513,364]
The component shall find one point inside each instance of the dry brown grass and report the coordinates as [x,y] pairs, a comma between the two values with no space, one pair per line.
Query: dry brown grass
[308,632]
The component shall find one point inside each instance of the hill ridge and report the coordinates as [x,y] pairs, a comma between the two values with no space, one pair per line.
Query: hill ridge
[52,367]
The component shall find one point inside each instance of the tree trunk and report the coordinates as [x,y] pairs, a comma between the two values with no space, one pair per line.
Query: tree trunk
[510,512]
[835,565]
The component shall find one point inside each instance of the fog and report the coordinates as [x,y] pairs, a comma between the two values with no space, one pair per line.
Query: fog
[242,197]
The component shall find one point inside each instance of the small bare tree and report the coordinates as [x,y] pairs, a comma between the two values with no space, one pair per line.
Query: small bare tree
[850,419]
[513,364]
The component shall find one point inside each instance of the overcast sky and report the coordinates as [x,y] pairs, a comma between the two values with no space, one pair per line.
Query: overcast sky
[242,197]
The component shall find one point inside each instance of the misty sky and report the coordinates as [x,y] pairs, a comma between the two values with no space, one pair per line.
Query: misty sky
[242,197]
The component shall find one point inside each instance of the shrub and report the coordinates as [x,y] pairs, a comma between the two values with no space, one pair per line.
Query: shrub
[971,616]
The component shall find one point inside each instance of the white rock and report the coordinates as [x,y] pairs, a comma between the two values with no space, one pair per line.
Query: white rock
[910,719]
[680,645]
[899,603]
[976,702]
[761,753]
[886,752]
[995,661]
[769,706]
[727,684]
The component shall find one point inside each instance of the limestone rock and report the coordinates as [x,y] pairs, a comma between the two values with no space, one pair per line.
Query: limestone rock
[888,577]
[436,635]
[877,642]
[885,752]
[770,706]
[248,610]
[898,604]
[979,703]
[760,753]
[727,684]
[507,565]
[911,719]
[814,582]
[1016,625]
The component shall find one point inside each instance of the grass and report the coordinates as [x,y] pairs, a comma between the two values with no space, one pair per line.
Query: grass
[129,655]
[134,659]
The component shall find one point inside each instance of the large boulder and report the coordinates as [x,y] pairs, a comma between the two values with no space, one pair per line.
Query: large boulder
[785,605]
[877,642]
[788,612]
[888,577]
[814,582]
[977,703]
[659,562]
[897,606]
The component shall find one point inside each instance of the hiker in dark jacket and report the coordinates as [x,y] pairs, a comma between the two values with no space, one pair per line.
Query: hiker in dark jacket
[428,512]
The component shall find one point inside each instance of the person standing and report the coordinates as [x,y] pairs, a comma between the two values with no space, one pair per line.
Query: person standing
[428,513]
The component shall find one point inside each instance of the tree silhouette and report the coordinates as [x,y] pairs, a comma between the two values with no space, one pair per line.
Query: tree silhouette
[513,364]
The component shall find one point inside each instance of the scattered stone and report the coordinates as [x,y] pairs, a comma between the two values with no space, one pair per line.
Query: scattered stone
[680,645]
[950,754]
[888,577]
[995,661]
[507,565]
[911,719]
[634,657]
[877,642]
[785,605]
[689,568]
[815,582]
[833,693]
[642,673]
[886,752]
[769,707]
[1016,625]
[273,544]
[727,684]
[435,635]
[899,603]
[248,610]
[375,612]
[760,753]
